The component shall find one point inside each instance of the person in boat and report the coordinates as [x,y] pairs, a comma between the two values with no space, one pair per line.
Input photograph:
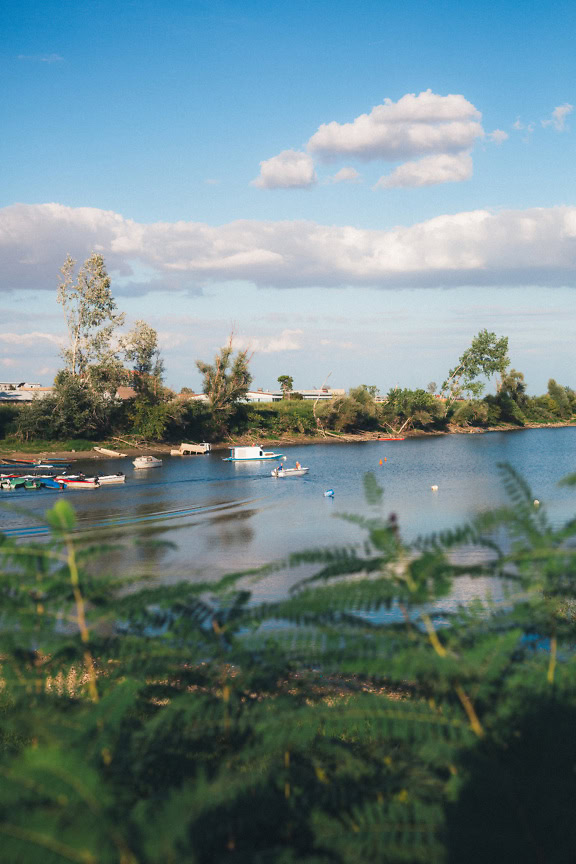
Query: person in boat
[298,466]
[280,467]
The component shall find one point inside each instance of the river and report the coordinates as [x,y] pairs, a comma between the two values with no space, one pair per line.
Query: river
[210,517]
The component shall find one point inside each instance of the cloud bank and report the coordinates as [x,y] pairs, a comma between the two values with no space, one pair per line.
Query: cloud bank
[532,247]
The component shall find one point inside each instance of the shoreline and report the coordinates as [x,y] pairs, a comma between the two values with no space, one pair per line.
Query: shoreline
[283,441]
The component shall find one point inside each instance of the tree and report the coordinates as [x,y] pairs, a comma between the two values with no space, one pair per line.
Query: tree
[286,383]
[559,399]
[405,408]
[487,356]
[92,321]
[141,349]
[227,380]
[431,388]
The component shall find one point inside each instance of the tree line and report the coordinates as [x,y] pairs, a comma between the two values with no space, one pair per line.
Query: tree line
[99,357]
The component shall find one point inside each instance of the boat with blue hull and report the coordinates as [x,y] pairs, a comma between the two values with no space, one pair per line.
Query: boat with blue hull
[251,454]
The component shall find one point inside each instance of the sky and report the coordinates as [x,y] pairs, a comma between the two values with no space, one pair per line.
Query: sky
[353,189]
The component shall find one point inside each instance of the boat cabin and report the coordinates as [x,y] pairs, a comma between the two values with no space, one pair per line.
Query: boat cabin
[248,454]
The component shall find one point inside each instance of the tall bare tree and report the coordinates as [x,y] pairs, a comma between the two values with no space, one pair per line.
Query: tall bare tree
[92,321]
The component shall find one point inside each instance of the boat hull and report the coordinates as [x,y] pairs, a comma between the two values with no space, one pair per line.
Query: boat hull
[289,472]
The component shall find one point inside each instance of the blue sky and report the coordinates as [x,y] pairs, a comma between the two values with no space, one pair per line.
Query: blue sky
[350,252]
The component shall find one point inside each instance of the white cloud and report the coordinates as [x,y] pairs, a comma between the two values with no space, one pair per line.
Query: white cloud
[444,168]
[416,125]
[345,175]
[8,362]
[287,340]
[498,136]
[291,169]
[558,118]
[28,339]
[520,126]
[536,246]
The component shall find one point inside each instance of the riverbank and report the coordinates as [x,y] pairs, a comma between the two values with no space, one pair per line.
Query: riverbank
[162,448]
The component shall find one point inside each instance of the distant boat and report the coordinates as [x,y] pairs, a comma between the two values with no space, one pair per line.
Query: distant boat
[289,472]
[108,479]
[251,454]
[393,438]
[78,481]
[192,449]
[147,462]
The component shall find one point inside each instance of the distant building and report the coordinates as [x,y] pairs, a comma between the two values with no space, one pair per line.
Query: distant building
[321,394]
[125,393]
[20,391]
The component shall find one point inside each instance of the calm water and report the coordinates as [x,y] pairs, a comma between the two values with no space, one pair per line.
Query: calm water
[224,517]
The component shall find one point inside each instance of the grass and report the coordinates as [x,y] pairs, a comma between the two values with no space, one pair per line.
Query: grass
[36,445]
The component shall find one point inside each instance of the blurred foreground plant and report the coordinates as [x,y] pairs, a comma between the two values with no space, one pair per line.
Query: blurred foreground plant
[365,717]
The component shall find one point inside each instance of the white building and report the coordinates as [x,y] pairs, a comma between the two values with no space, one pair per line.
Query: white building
[20,391]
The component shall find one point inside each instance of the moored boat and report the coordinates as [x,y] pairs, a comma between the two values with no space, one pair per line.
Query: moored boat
[147,462]
[250,454]
[108,479]
[77,481]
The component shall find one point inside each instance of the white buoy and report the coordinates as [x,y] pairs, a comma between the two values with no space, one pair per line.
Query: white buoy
[536,502]
[434,488]
[329,493]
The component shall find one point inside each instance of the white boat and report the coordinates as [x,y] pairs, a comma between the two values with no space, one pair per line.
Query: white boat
[192,449]
[250,454]
[107,479]
[147,462]
[289,472]
[77,482]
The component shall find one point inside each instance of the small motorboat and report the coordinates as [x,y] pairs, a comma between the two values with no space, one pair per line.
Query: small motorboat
[147,462]
[107,479]
[289,472]
[77,481]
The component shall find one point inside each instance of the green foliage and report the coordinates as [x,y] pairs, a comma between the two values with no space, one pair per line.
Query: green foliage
[8,417]
[74,410]
[487,355]
[362,717]
[92,321]
[226,381]
[141,349]
[286,383]
[412,409]
[559,402]
[352,413]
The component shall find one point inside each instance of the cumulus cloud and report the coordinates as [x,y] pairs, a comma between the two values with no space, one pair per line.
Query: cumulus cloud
[558,118]
[535,246]
[498,136]
[444,168]
[416,125]
[291,169]
[346,175]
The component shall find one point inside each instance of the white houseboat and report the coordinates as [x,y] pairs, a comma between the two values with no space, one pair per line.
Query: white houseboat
[250,454]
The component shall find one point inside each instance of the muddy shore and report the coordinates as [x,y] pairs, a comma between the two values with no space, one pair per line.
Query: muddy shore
[245,440]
